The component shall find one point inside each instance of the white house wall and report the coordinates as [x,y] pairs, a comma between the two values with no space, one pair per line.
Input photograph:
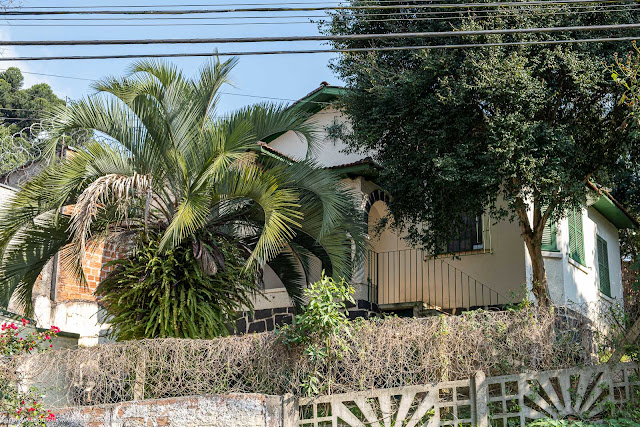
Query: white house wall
[330,152]
[507,267]
[573,284]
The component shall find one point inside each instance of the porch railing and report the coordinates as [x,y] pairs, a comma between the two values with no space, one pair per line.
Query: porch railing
[410,276]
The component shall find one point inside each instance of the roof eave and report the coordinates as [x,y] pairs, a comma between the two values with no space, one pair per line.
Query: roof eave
[612,210]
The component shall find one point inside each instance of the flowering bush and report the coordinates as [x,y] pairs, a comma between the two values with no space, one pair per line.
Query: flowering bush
[17,404]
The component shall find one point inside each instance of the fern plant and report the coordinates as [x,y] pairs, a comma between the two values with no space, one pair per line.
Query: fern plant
[165,294]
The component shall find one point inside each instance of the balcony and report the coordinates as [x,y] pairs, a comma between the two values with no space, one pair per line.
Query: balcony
[410,279]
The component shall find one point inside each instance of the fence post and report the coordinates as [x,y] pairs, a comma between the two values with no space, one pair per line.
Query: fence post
[289,410]
[481,398]
[140,378]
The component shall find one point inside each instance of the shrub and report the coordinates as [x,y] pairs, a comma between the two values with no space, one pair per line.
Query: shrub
[25,407]
[155,294]
[321,329]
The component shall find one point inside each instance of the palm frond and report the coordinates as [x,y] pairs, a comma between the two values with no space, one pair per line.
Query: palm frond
[268,119]
[25,257]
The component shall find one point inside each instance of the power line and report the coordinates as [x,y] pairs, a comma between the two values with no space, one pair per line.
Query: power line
[160,25]
[21,109]
[301,9]
[54,75]
[96,80]
[310,51]
[385,14]
[384,36]
[210,5]
[456,14]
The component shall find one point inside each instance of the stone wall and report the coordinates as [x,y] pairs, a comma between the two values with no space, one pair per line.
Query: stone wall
[268,319]
[232,410]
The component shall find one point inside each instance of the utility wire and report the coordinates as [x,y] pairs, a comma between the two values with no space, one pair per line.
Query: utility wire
[302,9]
[385,36]
[96,80]
[532,9]
[309,51]
[173,24]
[623,4]
[214,5]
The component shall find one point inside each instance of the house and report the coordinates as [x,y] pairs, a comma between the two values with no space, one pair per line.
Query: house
[491,267]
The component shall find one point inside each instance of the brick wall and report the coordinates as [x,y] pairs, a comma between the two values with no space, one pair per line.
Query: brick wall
[68,288]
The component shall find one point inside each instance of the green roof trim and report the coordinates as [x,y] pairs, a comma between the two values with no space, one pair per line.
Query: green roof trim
[366,168]
[607,206]
[314,102]
[317,100]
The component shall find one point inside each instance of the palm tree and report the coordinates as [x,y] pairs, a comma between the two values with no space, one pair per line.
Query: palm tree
[169,166]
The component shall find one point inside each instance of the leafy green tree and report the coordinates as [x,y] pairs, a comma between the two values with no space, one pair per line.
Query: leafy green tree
[20,108]
[174,168]
[21,112]
[502,130]
[626,186]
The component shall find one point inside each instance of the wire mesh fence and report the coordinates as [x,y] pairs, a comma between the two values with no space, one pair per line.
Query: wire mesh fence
[383,353]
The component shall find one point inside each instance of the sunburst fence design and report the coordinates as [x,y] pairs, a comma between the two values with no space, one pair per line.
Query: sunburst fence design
[504,401]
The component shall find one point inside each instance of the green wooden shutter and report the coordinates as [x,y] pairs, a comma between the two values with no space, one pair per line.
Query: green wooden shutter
[549,242]
[603,266]
[576,236]
[549,234]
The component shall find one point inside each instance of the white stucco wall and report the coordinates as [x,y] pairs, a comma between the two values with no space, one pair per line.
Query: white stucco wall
[574,284]
[329,152]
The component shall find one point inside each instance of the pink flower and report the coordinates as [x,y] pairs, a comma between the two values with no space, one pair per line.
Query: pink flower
[55,329]
[51,416]
[24,322]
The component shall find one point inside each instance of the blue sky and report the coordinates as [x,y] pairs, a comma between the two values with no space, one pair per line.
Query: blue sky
[281,76]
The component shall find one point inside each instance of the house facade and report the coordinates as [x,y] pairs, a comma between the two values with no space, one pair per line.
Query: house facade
[491,267]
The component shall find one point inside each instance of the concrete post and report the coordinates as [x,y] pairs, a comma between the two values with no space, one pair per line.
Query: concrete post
[481,398]
[289,410]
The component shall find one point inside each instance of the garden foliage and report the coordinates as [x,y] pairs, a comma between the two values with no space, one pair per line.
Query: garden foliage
[16,403]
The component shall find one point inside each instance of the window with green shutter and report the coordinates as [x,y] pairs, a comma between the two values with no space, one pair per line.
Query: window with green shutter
[549,238]
[603,266]
[576,236]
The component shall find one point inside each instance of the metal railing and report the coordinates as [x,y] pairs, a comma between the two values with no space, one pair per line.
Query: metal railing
[411,276]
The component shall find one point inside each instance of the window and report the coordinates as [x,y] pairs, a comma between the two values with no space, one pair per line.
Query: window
[576,236]
[603,266]
[470,237]
[549,239]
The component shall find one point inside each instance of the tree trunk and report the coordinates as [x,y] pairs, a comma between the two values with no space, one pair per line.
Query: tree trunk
[539,285]
[532,236]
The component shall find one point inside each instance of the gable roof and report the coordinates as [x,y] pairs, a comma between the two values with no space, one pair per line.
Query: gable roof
[319,98]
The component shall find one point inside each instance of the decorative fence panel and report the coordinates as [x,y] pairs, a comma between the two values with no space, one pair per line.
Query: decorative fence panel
[511,400]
